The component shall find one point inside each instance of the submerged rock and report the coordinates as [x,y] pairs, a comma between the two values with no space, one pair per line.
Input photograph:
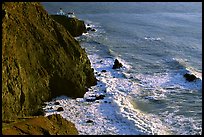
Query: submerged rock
[190,77]
[117,64]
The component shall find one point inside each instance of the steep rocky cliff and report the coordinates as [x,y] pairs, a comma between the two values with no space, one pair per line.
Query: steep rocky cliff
[40,60]
[75,26]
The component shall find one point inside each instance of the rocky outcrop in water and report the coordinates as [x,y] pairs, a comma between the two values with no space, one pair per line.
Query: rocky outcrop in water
[116,64]
[189,77]
[40,60]
[75,26]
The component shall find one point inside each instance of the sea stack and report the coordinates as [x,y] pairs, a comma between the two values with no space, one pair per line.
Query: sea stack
[190,77]
[117,64]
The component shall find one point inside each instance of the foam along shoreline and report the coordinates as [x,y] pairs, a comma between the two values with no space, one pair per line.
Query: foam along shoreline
[112,115]
[116,113]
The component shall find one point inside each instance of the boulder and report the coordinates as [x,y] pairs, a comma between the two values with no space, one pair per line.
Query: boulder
[103,70]
[56,103]
[117,64]
[60,109]
[51,125]
[190,77]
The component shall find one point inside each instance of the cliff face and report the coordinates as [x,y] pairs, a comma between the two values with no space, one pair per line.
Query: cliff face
[75,26]
[40,60]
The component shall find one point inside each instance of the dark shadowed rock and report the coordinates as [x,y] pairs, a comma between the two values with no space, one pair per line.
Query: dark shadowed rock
[190,77]
[103,70]
[56,103]
[89,121]
[60,109]
[100,97]
[93,29]
[90,99]
[117,64]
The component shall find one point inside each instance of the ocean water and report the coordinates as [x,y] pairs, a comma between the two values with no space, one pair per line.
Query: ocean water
[157,44]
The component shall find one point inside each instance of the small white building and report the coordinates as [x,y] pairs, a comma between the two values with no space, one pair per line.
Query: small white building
[71,15]
[61,12]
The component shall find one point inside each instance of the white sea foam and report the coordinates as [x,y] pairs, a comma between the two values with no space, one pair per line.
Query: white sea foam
[153,39]
[114,114]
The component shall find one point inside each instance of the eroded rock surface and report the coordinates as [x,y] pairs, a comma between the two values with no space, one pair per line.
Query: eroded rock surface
[40,60]
[51,125]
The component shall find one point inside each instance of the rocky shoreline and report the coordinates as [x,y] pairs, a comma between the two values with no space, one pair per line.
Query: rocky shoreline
[40,60]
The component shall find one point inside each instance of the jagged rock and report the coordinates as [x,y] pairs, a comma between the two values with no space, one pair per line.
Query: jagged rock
[40,60]
[190,77]
[51,125]
[60,109]
[117,64]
